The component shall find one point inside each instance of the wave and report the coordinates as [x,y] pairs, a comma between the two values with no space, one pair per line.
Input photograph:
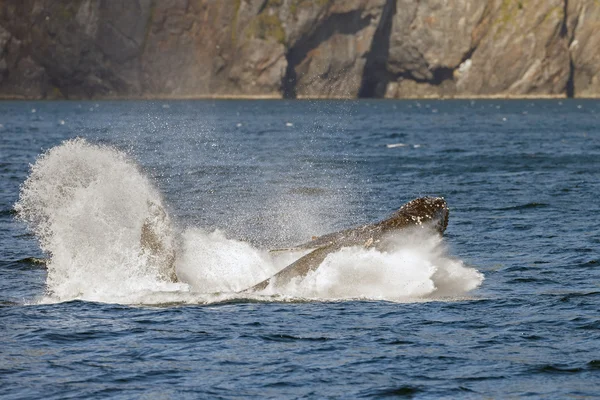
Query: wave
[104,227]
[524,206]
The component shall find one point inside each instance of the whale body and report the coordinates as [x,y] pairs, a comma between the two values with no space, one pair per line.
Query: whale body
[424,212]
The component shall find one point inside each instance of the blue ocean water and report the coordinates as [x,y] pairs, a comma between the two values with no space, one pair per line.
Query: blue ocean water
[522,179]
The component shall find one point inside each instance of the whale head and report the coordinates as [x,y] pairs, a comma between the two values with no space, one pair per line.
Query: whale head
[431,211]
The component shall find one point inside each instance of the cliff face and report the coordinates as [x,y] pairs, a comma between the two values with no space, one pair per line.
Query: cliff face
[584,33]
[299,48]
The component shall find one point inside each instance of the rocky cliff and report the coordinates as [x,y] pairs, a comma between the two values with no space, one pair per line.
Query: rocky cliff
[299,48]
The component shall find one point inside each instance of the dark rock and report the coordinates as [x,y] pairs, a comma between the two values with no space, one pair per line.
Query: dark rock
[584,23]
[299,48]
[328,58]
[520,48]
[4,42]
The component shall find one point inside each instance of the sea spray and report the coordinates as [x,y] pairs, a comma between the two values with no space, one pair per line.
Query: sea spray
[87,205]
[96,215]
[210,262]
[417,266]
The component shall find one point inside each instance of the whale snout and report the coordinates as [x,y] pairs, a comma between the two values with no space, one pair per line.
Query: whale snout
[440,213]
[437,208]
[431,210]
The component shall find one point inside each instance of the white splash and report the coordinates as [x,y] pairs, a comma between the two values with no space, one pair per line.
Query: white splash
[211,263]
[88,205]
[417,267]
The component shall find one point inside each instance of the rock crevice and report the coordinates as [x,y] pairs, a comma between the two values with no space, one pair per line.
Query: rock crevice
[348,23]
[375,78]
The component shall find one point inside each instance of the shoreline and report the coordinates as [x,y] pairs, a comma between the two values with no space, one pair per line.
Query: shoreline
[300,97]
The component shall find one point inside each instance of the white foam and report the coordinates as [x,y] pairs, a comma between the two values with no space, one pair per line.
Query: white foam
[417,267]
[210,263]
[87,204]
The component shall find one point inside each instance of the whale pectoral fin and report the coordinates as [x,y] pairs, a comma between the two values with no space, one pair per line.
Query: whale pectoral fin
[157,244]
[280,250]
[315,243]
[346,237]
[288,250]
[299,269]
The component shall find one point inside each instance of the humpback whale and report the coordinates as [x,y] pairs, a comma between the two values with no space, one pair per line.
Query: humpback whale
[425,212]
[159,250]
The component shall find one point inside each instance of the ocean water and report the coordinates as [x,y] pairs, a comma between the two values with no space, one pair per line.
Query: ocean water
[505,305]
